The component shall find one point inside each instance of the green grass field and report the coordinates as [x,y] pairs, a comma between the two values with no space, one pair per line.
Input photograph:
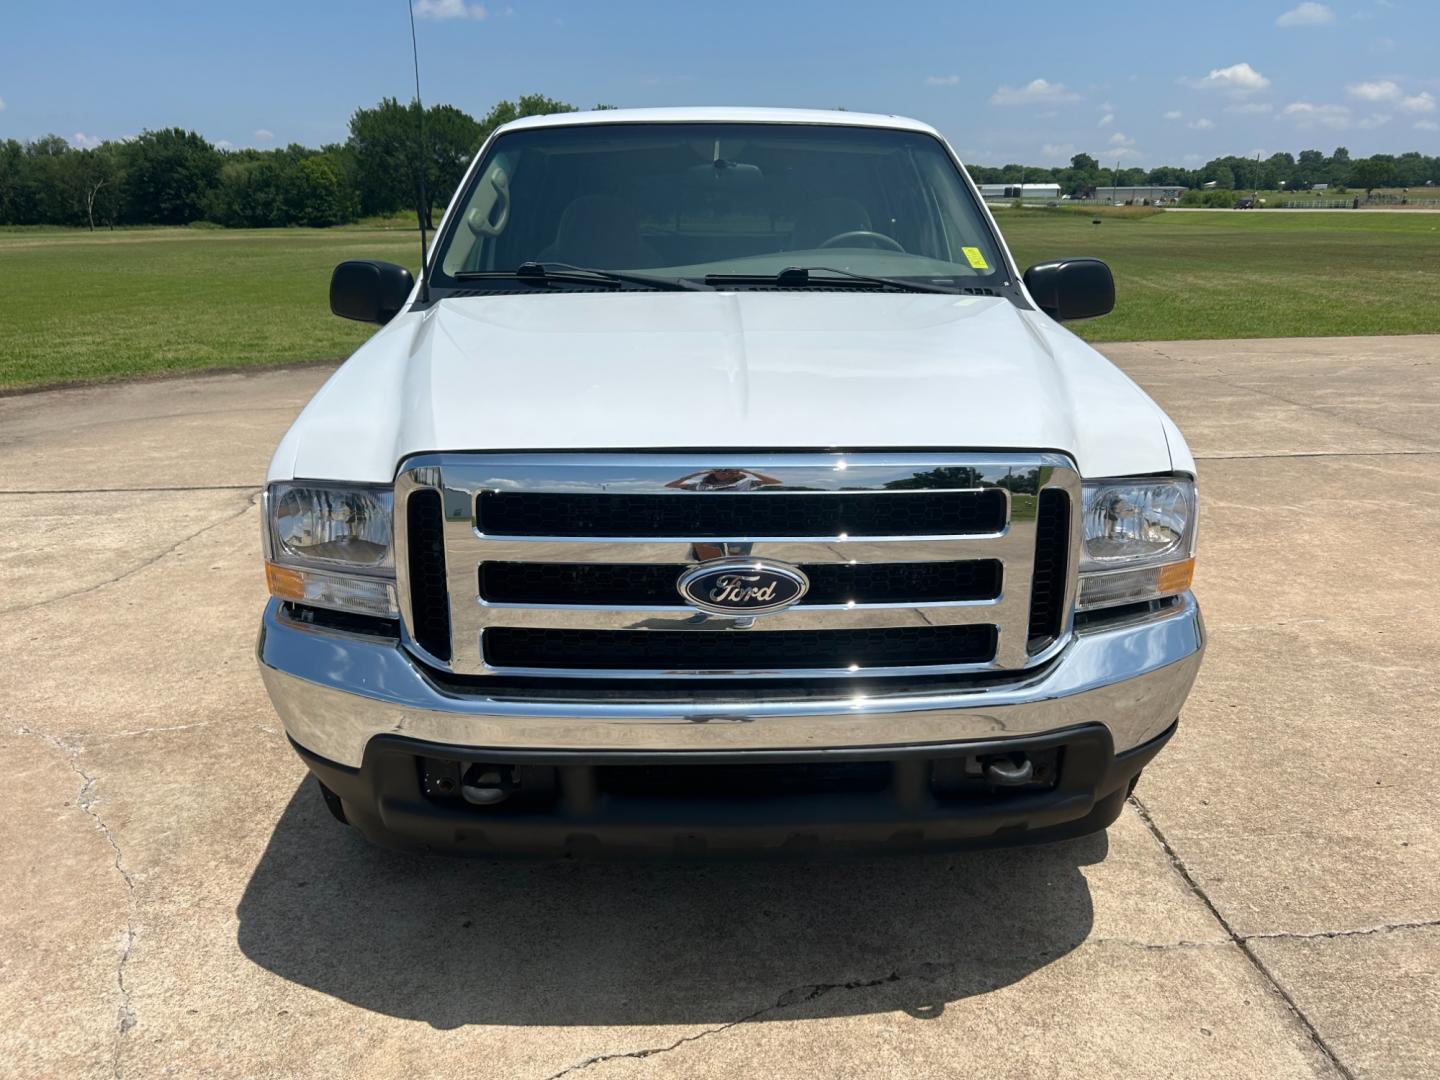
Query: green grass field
[1248,273]
[76,306]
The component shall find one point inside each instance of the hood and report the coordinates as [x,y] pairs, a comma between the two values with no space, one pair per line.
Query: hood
[716,370]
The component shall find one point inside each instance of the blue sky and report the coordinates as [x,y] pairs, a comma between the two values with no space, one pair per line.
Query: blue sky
[1035,81]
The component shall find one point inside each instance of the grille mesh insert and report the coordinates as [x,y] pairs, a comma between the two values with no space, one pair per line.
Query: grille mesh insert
[698,515]
[1052,557]
[740,650]
[429,599]
[622,585]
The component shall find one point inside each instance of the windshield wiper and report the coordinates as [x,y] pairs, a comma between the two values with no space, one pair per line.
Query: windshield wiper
[798,277]
[539,273]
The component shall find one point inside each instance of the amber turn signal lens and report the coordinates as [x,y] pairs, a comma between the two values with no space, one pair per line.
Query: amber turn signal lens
[1175,578]
[284,583]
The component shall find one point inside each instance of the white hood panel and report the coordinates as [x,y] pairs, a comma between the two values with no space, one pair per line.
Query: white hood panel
[746,370]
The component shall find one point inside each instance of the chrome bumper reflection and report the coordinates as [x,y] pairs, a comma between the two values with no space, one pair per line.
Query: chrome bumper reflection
[335,692]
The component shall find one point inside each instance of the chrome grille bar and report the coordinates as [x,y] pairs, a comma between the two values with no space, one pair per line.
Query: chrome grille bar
[462,478]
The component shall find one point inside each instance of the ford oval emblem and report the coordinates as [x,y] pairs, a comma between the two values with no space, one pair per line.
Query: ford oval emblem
[743,586]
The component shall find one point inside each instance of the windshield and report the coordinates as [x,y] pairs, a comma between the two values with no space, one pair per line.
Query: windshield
[687,201]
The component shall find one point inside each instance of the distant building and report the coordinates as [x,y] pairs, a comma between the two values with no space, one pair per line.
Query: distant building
[1019,191]
[1153,193]
[1319,187]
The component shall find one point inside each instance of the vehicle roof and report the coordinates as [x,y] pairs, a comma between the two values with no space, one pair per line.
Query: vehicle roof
[712,114]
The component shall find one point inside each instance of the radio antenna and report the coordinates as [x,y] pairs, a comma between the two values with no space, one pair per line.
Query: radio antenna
[422,207]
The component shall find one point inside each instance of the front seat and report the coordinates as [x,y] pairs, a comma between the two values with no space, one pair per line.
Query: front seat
[824,218]
[600,231]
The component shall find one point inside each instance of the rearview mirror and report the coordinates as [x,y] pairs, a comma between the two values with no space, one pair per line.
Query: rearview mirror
[1072,288]
[368,290]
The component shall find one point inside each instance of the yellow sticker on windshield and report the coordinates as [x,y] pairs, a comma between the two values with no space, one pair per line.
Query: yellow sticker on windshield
[977,260]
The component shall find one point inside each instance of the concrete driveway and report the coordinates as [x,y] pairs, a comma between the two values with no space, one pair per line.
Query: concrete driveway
[174,900]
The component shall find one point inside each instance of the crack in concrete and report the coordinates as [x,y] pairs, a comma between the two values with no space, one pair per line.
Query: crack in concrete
[808,992]
[1362,931]
[250,503]
[1164,946]
[1242,943]
[85,801]
[797,995]
[129,490]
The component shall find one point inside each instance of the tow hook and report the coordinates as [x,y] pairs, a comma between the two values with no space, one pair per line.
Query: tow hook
[1012,770]
[486,785]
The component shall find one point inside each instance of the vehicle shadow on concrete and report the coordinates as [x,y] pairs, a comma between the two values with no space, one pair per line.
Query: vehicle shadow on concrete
[463,941]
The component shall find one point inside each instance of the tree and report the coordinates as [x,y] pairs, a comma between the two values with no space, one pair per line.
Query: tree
[385,147]
[451,137]
[528,105]
[1084,175]
[1219,172]
[384,141]
[98,179]
[169,176]
[15,206]
[1372,172]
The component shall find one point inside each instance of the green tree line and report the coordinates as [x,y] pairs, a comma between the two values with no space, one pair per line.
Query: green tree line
[174,177]
[1290,171]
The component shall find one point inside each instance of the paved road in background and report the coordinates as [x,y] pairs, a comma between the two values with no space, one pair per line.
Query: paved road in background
[174,899]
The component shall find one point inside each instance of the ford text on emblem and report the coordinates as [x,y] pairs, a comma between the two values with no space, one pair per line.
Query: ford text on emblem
[743,586]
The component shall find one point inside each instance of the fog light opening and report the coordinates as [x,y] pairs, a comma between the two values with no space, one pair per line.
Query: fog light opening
[486,785]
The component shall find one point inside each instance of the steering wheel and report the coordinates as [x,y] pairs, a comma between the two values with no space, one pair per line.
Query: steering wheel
[878,239]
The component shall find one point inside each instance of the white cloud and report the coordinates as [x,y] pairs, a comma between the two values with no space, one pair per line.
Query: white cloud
[1058,151]
[224,144]
[81,141]
[1426,125]
[942,80]
[449,9]
[1236,79]
[1383,45]
[1121,139]
[1035,92]
[1379,90]
[1307,115]
[1423,102]
[1173,114]
[1250,108]
[2,104]
[1123,153]
[1306,14]
[1374,120]
[1106,120]
[264,134]
[1203,124]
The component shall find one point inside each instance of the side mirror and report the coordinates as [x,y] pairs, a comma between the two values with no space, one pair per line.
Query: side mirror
[1072,288]
[368,290]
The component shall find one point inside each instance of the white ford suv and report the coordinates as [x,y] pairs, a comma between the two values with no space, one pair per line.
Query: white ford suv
[723,485]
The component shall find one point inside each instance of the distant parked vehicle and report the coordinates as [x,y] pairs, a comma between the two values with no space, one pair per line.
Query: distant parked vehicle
[1244,204]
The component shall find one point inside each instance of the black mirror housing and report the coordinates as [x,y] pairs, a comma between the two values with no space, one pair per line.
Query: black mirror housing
[1069,289]
[368,290]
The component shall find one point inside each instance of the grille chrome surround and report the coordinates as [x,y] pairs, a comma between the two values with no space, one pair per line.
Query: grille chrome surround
[462,478]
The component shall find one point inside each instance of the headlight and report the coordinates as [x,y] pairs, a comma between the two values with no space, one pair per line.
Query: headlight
[331,546]
[1139,540]
[332,526]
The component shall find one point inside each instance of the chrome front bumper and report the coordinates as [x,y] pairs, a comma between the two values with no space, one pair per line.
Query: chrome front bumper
[335,692]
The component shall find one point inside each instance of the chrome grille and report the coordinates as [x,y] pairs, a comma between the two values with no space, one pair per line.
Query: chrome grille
[919,564]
